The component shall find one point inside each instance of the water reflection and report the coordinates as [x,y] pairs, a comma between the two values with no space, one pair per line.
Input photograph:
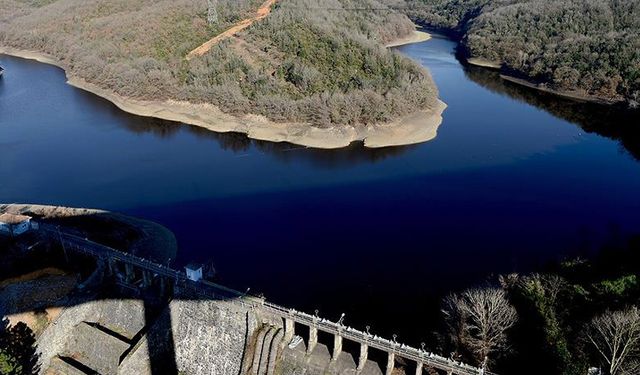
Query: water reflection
[18,71]
[235,142]
[609,121]
[1,86]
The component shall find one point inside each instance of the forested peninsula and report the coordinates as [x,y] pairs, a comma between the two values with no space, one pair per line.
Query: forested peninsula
[587,49]
[313,75]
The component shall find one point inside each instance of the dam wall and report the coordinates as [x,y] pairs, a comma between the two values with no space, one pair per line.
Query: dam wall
[206,337]
[174,325]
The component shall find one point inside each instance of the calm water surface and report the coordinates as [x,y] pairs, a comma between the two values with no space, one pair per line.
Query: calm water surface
[513,180]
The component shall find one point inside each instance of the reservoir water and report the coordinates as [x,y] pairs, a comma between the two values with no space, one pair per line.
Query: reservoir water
[515,179]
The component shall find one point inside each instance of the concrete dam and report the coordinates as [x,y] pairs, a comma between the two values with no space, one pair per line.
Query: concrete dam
[162,322]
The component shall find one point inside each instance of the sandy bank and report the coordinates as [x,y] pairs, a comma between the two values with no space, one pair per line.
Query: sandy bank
[574,95]
[484,63]
[415,37]
[414,128]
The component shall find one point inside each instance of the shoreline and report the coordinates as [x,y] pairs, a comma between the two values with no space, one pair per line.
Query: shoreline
[416,37]
[476,61]
[563,94]
[417,127]
[496,66]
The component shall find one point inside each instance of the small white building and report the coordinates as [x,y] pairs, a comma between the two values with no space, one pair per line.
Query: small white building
[15,225]
[194,271]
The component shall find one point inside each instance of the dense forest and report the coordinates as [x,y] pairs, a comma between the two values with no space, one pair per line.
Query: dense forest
[588,48]
[324,66]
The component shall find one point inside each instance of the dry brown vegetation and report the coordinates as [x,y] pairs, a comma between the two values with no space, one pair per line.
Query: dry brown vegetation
[308,61]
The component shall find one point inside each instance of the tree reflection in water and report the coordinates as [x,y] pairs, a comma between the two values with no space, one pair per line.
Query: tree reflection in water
[354,154]
[620,124]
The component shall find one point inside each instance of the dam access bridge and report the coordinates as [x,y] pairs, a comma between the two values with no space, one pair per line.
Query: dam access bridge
[136,272]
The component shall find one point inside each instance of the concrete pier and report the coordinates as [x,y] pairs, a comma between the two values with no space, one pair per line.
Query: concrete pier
[337,347]
[289,330]
[391,362]
[111,267]
[313,339]
[163,286]
[364,355]
[147,278]
[129,272]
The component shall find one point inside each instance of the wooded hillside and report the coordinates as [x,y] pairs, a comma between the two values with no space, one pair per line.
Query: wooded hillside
[307,61]
[590,47]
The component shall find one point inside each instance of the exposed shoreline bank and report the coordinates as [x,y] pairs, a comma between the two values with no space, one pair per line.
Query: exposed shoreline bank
[465,58]
[475,61]
[415,37]
[493,65]
[564,94]
[418,127]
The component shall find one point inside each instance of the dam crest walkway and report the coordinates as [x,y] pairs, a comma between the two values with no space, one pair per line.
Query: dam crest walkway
[170,279]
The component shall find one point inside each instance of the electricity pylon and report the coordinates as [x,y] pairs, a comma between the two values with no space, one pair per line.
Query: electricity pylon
[212,12]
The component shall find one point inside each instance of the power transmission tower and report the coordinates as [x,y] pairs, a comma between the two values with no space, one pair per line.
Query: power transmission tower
[212,12]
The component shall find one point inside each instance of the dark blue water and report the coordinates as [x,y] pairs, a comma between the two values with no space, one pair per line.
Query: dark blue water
[513,180]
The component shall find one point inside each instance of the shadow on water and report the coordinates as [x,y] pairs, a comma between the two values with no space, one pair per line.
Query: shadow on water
[613,122]
[353,154]
[1,85]
[158,330]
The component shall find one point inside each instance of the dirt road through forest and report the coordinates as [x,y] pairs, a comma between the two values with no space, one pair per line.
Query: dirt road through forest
[262,12]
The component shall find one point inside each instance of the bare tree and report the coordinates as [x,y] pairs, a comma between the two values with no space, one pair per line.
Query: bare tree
[616,337]
[478,320]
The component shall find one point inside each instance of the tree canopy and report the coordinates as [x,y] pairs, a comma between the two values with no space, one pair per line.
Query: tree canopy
[17,349]
[590,48]
[305,62]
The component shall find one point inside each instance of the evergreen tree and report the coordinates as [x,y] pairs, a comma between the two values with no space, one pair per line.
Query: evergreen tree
[17,349]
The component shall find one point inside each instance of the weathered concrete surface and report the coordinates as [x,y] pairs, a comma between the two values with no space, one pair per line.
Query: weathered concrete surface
[54,338]
[264,349]
[209,337]
[297,362]
[70,335]
[59,367]
[125,317]
[95,349]
[194,337]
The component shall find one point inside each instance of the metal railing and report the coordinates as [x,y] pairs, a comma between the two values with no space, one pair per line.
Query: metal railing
[210,290]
